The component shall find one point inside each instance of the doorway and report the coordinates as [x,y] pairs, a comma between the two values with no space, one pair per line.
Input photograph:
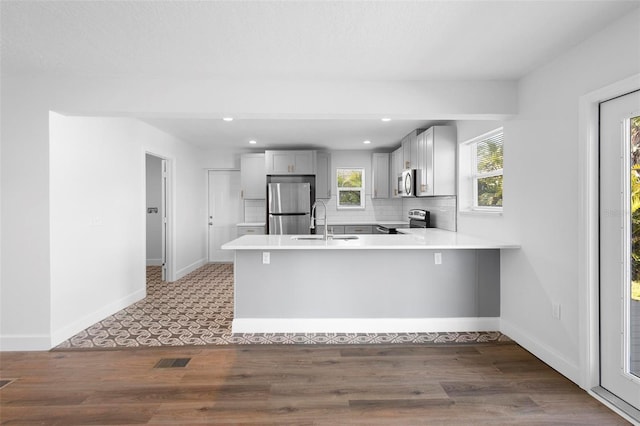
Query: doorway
[620,248]
[156,216]
[225,212]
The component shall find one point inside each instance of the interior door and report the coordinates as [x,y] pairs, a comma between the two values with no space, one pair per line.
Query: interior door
[620,247]
[163,212]
[225,212]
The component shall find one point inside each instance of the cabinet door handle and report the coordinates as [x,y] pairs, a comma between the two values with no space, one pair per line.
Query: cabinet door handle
[375,192]
[242,193]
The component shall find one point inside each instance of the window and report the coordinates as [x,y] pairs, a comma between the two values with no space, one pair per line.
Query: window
[481,165]
[350,188]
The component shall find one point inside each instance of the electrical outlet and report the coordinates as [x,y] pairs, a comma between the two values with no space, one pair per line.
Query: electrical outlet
[437,257]
[266,258]
[557,310]
[95,221]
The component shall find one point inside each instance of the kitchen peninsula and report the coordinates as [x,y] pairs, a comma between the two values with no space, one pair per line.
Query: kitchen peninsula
[420,281]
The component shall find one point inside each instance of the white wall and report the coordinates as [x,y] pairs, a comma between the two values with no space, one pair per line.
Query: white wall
[541,194]
[484,225]
[153,179]
[98,215]
[375,209]
[25,271]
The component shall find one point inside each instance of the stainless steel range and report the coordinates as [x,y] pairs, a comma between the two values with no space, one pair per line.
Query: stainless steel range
[419,218]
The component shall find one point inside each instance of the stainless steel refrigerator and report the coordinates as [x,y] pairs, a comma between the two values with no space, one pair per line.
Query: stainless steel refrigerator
[288,208]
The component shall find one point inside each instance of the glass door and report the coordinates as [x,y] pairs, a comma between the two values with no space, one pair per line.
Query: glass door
[620,247]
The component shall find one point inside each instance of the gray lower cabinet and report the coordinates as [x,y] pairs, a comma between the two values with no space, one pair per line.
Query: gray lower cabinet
[333,229]
[250,230]
[346,229]
[358,229]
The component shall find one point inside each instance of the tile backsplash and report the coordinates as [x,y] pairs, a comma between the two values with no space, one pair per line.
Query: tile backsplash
[443,210]
[375,210]
[254,211]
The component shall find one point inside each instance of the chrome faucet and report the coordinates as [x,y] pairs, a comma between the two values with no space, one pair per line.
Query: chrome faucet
[313,223]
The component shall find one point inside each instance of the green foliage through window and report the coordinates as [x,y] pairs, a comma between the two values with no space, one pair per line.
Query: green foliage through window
[490,191]
[350,187]
[635,206]
[488,171]
[350,178]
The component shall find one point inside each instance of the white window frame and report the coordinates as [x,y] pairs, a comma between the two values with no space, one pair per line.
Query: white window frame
[344,188]
[469,175]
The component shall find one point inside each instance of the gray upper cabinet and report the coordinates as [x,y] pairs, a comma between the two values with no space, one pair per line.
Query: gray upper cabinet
[290,162]
[396,168]
[406,152]
[253,180]
[380,178]
[323,175]
[436,161]
[410,149]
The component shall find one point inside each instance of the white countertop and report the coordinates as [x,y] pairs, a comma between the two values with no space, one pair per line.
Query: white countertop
[251,224]
[366,222]
[414,239]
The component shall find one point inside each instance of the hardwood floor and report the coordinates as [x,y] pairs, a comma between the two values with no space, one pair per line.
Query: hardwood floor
[293,384]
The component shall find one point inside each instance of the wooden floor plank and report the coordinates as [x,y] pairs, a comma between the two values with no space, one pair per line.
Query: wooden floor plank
[294,384]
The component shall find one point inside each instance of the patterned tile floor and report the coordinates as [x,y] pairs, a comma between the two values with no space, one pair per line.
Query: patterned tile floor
[198,310]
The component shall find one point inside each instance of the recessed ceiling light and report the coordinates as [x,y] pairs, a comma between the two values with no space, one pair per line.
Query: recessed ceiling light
[366,142]
[228,118]
[252,142]
[386,119]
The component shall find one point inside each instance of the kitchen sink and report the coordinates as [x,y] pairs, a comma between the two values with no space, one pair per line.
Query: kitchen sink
[320,237]
[307,237]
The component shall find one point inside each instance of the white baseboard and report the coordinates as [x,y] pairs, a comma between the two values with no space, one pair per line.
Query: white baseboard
[60,335]
[546,353]
[25,342]
[362,325]
[154,262]
[190,268]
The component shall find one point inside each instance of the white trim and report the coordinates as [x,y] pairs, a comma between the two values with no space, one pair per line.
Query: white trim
[25,342]
[62,334]
[484,136]
[363,325]
[190,268]
[468,175]
[154,262]
[481,212]
[171,251]
[611,405]
[363,195]
[588,240]
[546,353]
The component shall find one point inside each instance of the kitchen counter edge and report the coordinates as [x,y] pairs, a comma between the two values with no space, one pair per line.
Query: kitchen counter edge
[424,239]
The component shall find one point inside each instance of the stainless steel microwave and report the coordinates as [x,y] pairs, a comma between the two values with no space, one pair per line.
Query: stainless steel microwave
[408,188]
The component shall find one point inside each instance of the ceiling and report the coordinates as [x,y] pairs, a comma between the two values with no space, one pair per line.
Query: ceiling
[304,40]
[331,134]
